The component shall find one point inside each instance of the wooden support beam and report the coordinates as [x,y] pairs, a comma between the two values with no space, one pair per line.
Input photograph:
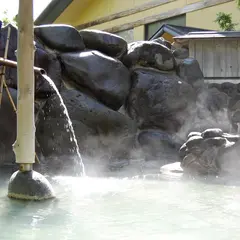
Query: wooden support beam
[141,8]
[171,13]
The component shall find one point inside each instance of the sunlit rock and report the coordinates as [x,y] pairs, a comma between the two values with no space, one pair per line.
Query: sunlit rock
[149,54]
[107,78]
[105,42]
[61,37]
[163,41]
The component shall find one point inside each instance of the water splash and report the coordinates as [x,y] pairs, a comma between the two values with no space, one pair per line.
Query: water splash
[70,127]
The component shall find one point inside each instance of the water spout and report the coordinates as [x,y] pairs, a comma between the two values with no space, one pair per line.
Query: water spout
[65,111]
[13,64]
[41,71]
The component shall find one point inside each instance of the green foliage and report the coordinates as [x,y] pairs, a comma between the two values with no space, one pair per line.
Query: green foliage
[6,20]
[224,21]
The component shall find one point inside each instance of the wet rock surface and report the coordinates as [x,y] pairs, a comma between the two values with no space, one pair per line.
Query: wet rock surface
[97,127]
[50,63]
[144,103]
[107,43]
[107,78]
[158,100]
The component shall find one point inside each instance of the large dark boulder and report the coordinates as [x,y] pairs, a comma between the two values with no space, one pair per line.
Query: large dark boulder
[216,100]
[50,63]
[149,54]
[212,132]
[98,129]
[210,111]
[96,116]
[189,71]
[43,59]
[180,54]
[229,88]
[105,42]
[60,37]
[158,145]
[107,78]
[158,100]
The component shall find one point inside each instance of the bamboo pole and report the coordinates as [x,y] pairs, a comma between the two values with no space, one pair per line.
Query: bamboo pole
[24,147]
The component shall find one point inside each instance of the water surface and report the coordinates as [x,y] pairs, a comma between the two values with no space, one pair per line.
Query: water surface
[119,209]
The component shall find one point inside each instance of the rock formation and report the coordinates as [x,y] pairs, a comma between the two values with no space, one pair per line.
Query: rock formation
[143,97]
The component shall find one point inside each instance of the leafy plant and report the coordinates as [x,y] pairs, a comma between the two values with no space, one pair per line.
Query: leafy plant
[6,20]
[225,22]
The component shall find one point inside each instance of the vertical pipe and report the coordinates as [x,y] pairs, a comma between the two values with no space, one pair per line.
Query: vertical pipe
[24,147]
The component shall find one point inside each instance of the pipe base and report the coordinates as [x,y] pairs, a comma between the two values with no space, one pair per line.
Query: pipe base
[29,185]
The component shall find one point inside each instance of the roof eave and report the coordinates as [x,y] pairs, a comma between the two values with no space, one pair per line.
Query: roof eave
[164,29]
[52,11]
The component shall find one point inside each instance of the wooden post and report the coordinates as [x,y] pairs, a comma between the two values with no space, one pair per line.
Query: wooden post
[24,147]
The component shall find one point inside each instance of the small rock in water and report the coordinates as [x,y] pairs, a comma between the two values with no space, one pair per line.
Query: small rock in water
[212,132]
[183,151]
[191,134]
[172,169]
[194,141]
[191,165]
[231,137]
[215,141]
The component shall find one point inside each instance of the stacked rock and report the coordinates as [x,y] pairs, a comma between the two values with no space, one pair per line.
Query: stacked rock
[161,94]
[118,95]
[202,151]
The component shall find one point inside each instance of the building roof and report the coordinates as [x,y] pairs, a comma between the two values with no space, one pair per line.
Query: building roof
[52,11]
[175,30]
[208,35]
